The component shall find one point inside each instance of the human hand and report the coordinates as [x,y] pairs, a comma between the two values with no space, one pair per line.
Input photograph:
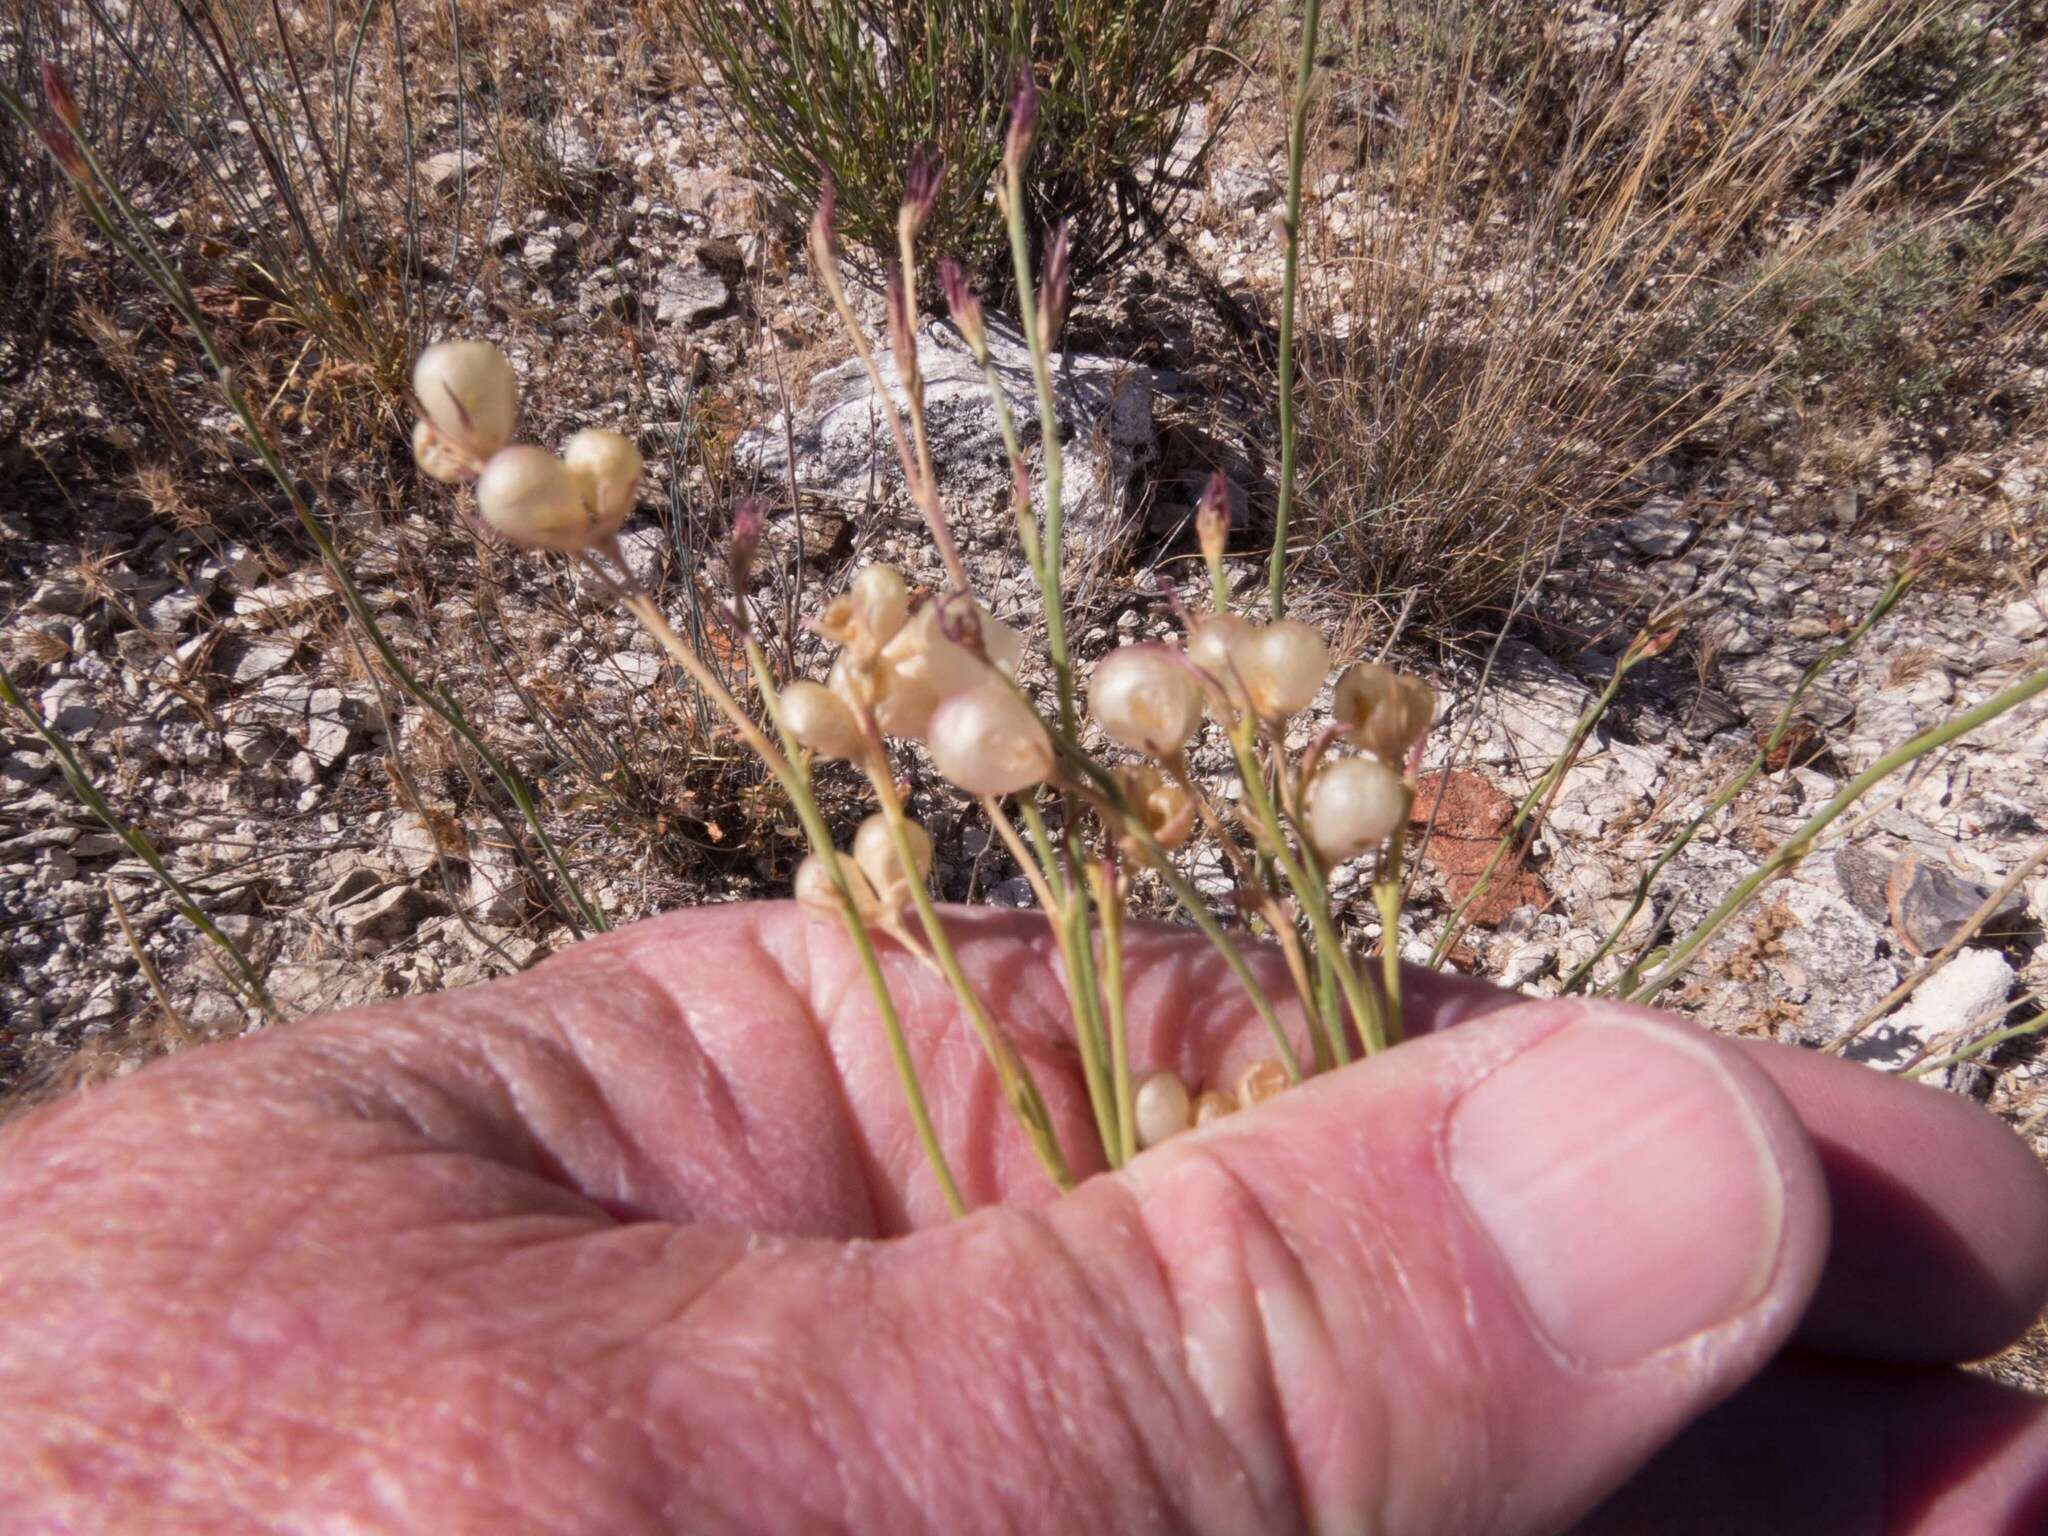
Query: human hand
[595,1249]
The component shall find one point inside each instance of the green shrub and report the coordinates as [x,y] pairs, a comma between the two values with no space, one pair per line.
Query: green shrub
[852,88]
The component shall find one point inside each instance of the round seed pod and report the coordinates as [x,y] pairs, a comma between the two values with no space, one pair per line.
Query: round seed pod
[1160,1108]
[1146,699]
[1261,1081]
[470,394]
[1167,810]
[608,468]
[438,458]
[816,893]
[1213,1105]
[1354,803]
[1218,645]
[819,719]
[990,742]
[920,666]
[531,498]
[874,850]
[1283,665]
[1384,711]
[881,601]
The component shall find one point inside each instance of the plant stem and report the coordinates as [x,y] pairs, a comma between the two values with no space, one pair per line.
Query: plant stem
[1108,901]
[1980,1045]
[1297,149]
[1386,895]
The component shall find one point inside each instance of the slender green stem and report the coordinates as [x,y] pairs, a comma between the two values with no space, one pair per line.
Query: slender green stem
[1297,150]
[1796,847]
[1386,895]
[88,795]
[1102,876]
[1980,1045]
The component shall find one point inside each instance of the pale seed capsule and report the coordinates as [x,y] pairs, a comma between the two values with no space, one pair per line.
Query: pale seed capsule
[1145,698]
[1159,1107]
[1261,1081]
[531,498]
[1167,810]
[1283,665]
[820,720]
[874,850]
[438,458]
[990,742]
[1213,1105]
[1354,803]
[1218,645]
[1384,711]
[920,666]
[469,393]
[881,601]
[608,468]
[816,893]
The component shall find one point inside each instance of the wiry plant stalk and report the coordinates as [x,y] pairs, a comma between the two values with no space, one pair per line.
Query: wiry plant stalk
[1297,151]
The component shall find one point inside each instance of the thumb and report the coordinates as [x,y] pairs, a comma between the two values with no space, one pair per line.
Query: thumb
[1467,1288]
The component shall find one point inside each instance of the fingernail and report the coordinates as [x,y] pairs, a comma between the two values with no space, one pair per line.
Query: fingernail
[1628,1184]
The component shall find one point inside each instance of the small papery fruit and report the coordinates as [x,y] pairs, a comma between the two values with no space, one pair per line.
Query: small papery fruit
[469,393]
[1261,1081]
[881,601]
[819,719]
[1218,645]
[1354,803]
[1384,711]
[1282,666]
[874,850]
[816,893]
[1144,697]
[920,666]
[1160,1108]
[529,496]
[608,468]
[989,742]
[438,458]
[1166,809]
[1213,1106]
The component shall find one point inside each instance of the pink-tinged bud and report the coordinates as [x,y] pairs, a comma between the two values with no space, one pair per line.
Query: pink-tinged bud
[1023,119]
[1212,518]
[964,307]
[64,150]
[1052,288]
[747,523]
[57,94]
[921,180]
[824,244]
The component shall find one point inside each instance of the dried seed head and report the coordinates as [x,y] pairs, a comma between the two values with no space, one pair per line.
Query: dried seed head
[1167,810]
[990,742]
[1384,711]
[608,468]
[1213,1106]
[529,496]
[1023,120]
[1354,803]
[820,720]
[438,458]
[816,893]
[1283,666]
[874,850]
[1052,287]
[921,180]
[964,307]
[1261,1081]
[1212,517]
[1146,698]
[469,393]
[57,96]
[1160,1108]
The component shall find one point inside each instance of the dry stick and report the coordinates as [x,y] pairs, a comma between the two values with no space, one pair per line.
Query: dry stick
[142,960]
[1297,145]
[1972,926]
[1796,847]
[637,602]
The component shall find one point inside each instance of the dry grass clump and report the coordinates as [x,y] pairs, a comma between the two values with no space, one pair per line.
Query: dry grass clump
[1570,252]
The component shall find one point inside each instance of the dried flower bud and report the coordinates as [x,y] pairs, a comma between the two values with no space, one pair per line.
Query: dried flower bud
[63,148]
[1053,288]
[1354,803]
[881,601]
[964,307]
[1160,1108]
[921,180]
[874,850]
[608,468]
[824,243]
[744,544]
[990,742]
[469,393]
[1146,698]
[1212,517]
[1213,1105]
[438,458]
[57,96]
[1282,666]
[1167,810]
[1384,711]
[816,893]
[820,720]
[1023,119]
[529,496]
[1261,1081]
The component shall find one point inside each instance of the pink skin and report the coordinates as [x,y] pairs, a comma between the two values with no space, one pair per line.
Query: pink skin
[642,1241]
